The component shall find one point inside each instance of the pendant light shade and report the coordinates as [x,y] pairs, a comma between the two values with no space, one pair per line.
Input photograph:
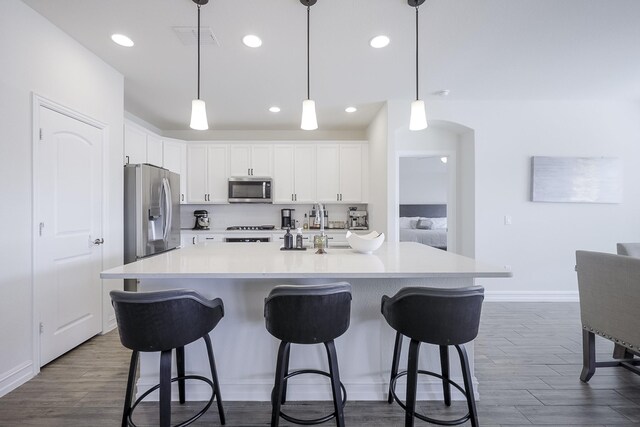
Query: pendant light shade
[309,120]
[199,115]
[418,120]
[198,107]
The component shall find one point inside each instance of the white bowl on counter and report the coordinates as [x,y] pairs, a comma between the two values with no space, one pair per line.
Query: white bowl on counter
[365,243]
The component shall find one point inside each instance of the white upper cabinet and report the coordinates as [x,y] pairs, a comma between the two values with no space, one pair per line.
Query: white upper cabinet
[251,160]
[294,173]
[207,174]
[154,150]
[339,173]
[174,158]
[135,145]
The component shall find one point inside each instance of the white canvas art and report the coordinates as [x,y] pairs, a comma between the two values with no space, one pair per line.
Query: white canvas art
[576,179]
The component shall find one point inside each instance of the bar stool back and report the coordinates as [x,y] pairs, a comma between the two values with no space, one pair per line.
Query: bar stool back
[437,316]
[308,314]
[163,321]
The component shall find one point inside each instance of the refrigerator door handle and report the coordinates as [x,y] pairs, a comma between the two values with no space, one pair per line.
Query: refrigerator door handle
[166,190]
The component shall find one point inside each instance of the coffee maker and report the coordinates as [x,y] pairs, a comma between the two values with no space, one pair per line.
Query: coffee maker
[202,220]
[287,218]
[358,220]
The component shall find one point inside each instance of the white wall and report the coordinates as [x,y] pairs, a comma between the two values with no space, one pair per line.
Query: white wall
[378,156]
[423,181]
[540,245]
[39,58]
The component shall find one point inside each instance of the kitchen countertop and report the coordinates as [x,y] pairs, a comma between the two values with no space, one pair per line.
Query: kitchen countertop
[266,260]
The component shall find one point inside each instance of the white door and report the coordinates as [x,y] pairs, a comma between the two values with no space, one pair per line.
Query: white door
[218,178]
[328,173]
[240,160]
[305,173]
[154,150]
[197,188]
[68,254]
[261,160]
[135,145]
[283,171]
[174,158]
[351,173]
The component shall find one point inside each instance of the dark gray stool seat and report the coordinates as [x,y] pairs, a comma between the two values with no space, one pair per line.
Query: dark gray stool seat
[436,316]
[310,314]
[163,321]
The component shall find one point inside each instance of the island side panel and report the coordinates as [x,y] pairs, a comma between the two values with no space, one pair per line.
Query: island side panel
[246,353]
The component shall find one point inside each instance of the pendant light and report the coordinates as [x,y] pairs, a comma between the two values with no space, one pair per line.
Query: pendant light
[309,120]
[198,107]
[418,119]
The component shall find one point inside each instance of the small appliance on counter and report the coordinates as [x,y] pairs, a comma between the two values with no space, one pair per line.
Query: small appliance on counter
[287,218]
[358,220]
[202,220]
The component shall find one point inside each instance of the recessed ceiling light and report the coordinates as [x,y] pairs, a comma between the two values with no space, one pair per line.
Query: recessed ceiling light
[274,109]
[351,109]
[379,42]
[252,41]
[122,40]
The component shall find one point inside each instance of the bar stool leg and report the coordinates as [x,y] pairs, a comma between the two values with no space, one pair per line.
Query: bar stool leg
[278,384]
[412,382]
[286,372]
[129,395]
[397,350]
[468,385]
[214,378]
[180,366]
[165,388]
[444,363]
[335,382]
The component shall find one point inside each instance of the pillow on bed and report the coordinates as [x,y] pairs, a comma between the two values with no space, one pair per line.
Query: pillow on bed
[439,223]
[405,222]
[424,224]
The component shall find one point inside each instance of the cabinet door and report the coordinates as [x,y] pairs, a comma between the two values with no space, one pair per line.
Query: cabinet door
[240,160]
[135,145]
[154,150]
[283,173]
[174,158]
[261,160]
[187,239]
[305,173]
[218,176]
[350,173]
[327,172]
[197,184]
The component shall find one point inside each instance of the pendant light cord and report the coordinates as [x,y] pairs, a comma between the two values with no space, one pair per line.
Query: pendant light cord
[198,51]
[417,96]
[308,78]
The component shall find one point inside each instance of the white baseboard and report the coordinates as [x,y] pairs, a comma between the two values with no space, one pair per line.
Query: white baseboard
[15,377]
[531,296]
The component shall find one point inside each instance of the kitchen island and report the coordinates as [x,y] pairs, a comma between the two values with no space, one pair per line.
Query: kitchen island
[242,274]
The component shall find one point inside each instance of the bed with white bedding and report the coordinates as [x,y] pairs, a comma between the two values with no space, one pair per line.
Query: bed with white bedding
[425,224]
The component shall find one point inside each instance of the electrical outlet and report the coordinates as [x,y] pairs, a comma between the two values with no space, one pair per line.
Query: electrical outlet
[507,220]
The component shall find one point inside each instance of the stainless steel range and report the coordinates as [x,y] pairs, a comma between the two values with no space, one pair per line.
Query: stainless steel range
[249,239]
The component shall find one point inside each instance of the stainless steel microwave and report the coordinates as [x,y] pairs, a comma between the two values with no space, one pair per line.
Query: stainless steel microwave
[250,189]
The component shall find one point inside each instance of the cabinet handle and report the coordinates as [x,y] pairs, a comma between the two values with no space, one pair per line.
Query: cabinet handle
[127,157]
[295,198]
[182,197]
[251,171]
[248,171]
[194,240]
[337,197]
[340,196]
[292,197]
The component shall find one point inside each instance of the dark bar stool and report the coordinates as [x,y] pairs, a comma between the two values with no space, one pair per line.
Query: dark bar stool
[308,315]
[442,317]
[163,321]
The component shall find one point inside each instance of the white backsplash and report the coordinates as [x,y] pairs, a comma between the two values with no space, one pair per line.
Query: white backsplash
[223,216]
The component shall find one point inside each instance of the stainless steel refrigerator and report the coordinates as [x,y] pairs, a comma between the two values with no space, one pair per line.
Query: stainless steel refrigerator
[151,212]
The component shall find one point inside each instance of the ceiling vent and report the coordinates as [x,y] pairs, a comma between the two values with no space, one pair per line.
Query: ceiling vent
[189,36]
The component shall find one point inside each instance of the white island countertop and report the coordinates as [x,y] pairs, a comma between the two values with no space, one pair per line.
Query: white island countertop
[266,260]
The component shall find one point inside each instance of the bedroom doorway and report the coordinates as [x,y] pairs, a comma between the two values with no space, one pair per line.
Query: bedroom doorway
[424,185]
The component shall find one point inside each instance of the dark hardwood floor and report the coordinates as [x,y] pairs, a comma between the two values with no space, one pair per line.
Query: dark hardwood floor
[528,358]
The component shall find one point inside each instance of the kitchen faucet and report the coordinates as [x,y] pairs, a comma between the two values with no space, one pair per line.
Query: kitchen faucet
[320,241]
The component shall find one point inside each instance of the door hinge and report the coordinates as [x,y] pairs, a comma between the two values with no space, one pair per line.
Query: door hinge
[41,328]
[40,134]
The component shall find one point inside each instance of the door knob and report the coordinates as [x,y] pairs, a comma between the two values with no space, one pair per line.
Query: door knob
[98,241]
